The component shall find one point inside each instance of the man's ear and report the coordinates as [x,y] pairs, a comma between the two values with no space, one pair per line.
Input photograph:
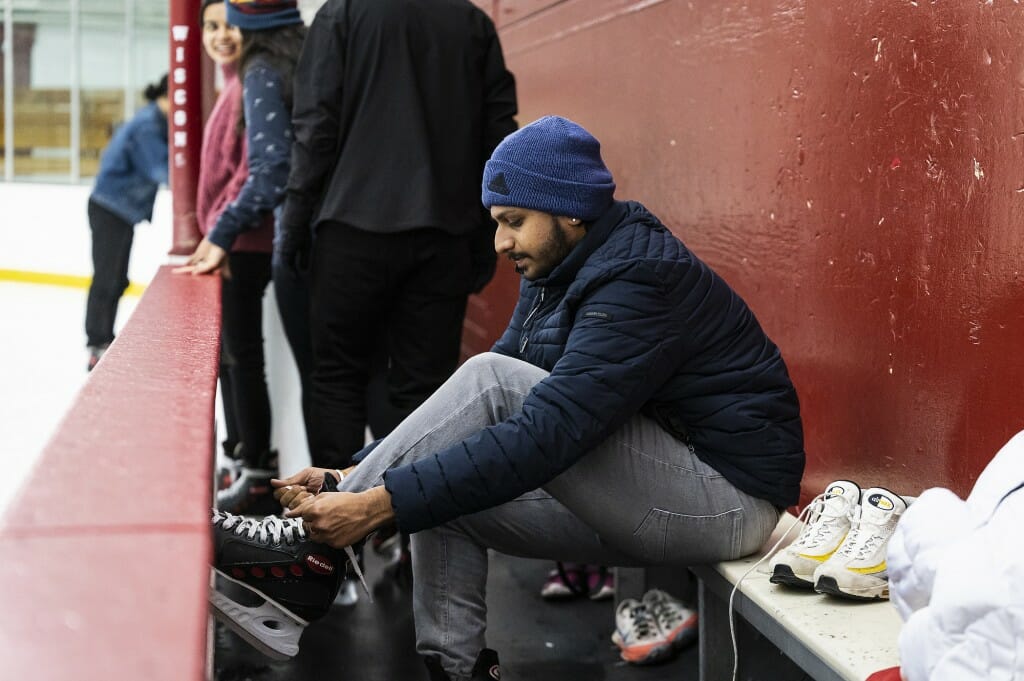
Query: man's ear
[574,227]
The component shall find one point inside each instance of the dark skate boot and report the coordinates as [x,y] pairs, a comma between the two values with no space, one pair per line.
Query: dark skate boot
[485,669]
[250,492]
[229,467]
[96,352]
[293,579]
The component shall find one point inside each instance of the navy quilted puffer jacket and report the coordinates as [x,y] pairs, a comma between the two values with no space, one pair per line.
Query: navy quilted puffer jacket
[631,321]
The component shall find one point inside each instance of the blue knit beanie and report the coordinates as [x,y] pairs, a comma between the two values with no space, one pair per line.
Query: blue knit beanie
[552,165]
[262,15]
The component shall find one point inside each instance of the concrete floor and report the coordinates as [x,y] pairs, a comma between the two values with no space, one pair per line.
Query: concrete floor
[536,640]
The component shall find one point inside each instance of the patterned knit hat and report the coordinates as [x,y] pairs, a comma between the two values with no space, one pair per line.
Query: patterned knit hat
[552,165]
[261,15]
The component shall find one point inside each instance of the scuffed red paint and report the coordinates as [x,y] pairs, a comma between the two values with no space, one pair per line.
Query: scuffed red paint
[853,169]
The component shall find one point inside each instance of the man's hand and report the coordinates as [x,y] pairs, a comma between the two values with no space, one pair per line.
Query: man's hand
[293,249]
[341,519]
[293,490]
[207,258]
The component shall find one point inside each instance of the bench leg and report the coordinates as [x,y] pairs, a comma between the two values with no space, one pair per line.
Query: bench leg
[714,640]
[760,659]
[629,583]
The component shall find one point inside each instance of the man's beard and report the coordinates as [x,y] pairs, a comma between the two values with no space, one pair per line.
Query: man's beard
[555,249]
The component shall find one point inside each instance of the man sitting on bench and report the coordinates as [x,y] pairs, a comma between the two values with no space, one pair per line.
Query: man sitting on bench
[633,413]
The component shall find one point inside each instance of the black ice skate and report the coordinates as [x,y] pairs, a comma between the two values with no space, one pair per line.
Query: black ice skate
[293,579]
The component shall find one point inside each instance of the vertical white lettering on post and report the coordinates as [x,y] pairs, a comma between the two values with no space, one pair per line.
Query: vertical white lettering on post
[179,116]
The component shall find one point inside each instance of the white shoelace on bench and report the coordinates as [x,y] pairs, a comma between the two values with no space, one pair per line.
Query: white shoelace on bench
[816,504]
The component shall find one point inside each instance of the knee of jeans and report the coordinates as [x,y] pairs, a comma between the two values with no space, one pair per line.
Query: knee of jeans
[505,376]
[492,364]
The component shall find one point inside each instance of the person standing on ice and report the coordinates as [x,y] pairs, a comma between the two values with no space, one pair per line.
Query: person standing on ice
[245,163]
[132,168]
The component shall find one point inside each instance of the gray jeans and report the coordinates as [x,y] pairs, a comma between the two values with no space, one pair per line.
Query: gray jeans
[640,498]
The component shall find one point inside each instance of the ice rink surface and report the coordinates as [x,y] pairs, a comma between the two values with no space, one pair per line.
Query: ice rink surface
[42,343]
[42,335]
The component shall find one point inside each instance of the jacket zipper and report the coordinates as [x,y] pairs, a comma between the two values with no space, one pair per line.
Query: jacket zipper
[529,319]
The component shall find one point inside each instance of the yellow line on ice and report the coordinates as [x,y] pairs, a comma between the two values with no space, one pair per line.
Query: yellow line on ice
[54,279]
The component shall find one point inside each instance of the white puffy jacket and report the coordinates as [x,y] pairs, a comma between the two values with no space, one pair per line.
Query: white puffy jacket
[956,572]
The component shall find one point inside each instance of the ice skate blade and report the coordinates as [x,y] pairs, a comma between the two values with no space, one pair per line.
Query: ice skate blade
[267,628]
[285,612]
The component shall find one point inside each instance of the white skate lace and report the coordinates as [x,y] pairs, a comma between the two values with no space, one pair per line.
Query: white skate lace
[823,519]
[816,503]
[863,538]
[273,529]
[270,529]
[868,547]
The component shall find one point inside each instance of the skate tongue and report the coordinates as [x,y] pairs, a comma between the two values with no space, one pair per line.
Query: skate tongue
[840,496]
[359,573]
[878,505]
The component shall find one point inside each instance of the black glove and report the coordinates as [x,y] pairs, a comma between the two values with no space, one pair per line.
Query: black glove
[483,259]
[293,247]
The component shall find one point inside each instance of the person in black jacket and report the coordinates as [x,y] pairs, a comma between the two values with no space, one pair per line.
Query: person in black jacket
[398,104]
[634,412]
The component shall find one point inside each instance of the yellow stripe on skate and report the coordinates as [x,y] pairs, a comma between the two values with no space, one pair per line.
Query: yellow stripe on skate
[868,570]
[821,559]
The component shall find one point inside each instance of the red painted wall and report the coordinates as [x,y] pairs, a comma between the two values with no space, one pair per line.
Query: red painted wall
[853,169]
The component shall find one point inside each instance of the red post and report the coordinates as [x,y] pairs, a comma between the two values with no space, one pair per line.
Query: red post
[186,126]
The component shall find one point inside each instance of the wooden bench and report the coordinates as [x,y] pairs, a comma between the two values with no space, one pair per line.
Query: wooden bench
[826,638]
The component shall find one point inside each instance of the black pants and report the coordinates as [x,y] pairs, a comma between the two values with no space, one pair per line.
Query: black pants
[396,296]
[111,248]
[243,378]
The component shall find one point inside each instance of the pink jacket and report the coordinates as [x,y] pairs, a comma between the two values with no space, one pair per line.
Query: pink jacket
[223,168]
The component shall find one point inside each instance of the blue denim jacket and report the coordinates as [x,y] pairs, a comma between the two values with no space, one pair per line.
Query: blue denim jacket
[133,166]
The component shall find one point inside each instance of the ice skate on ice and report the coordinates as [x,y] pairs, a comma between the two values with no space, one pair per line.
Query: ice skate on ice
[272,579]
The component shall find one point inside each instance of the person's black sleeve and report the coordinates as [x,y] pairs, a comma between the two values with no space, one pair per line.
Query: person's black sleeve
[499,112]
[318,88]
[500,106]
